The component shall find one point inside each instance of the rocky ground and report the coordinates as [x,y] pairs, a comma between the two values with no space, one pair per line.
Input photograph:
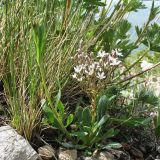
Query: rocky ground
[137,144]
[137,147]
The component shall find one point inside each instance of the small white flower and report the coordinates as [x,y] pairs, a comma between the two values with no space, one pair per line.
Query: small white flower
[102,54]
[90,69]
[77,77]
[80,79]
[90,72]
[118,53]
[78,69]
[146,65]
[153,114]
[96,64]
[74,76]
[114,61]
[110,58]
[101,75]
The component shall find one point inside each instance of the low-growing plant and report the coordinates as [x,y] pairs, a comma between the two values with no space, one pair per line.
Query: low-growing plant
[88,133]
[37,41]
[94,73]
[91,132]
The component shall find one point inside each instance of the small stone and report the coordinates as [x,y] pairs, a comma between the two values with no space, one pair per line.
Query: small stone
[158,149]
[47,152]
[95,153]
[143,149]
[105,156]
[150,157]
[136,152]
[67,155]
[121,155]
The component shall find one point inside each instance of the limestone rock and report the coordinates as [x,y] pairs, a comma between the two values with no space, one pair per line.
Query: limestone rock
[67,155]
[105,156]
[15,147]
[90,158]
[47,152]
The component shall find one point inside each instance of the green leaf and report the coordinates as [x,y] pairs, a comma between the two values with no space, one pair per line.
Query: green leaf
[102,107]
[87,129]
[78,114]
[49,114]
[154,11]
[113,145]
[60,108]
[79,134]
[94,3]
[58,97]
[72,146]
[110,133]
[69,120]
[133,5]
[103,120]
[39,35]
[134,122]
[86,117]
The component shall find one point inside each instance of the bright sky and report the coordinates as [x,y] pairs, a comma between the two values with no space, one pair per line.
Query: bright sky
[140,17]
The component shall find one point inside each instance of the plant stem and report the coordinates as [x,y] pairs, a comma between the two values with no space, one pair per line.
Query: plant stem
[50,102]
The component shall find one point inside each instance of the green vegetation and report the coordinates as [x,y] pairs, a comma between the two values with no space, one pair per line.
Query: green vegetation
[52,47]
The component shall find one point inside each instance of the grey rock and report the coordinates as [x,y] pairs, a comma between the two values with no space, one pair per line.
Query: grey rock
[67,155]
[47,152]
[89,158]
[150,157]
[15,147]
[158,149]
[120,154]
[105,156]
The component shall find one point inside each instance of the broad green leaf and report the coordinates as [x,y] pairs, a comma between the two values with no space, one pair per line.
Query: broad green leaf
[69,120]
[78,114]
[103,120]
[49,114]
[102,107]
[113,145]
[58,97]
[110,133]
[86,117]
[60,108]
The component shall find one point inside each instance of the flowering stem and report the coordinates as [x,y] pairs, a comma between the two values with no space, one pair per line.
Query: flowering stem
[93,105]
[138,74]
[130,67]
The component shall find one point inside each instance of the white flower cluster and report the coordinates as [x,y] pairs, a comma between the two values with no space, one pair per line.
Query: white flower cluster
[88,66]
[153,83]
[146,65]
[128,94]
